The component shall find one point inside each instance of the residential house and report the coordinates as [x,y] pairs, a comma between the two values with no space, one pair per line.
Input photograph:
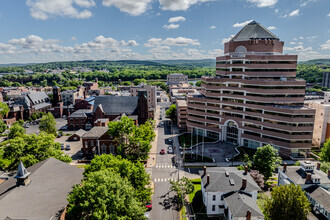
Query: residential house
[85,104]
[77,136]
[230,193]
[79,119]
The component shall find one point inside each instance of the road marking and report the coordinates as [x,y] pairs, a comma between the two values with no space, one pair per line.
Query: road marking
[161,180]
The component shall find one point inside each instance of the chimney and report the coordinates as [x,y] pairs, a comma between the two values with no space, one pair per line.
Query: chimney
[204,170]
[284,167]
[244,181]
[248,215]
[208,179]
[308,177]
[245,170]
[318,166]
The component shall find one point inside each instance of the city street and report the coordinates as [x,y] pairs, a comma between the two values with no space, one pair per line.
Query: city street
[164,171]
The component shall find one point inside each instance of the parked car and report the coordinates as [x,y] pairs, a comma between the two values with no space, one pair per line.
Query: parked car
[149,205]
[170,140]
[162,151]
[160,117]
[26,125]
[68,147]
[62,146]
[64,128]
[170,150]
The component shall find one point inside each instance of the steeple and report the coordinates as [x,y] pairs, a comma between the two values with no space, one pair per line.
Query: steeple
[22,175]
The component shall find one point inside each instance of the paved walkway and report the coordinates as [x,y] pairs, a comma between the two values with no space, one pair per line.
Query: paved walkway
[153,151]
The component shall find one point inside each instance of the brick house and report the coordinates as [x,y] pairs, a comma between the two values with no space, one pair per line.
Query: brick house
[79,119]
[98,141]
[85,104]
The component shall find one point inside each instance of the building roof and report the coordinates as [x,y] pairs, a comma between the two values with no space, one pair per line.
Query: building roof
[254,30]
[181,103]
[227,179]
[240,203]
[81,113]
[38,97]
[45,196]
[322,197]
[21,171]
[96,132]
[80,133]
[115,105]
[298,176]
[42,105]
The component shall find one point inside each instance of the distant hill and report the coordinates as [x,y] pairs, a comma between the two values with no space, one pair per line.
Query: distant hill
[317,62]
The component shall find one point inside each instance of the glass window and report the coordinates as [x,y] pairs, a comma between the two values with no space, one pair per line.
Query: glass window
[214,197]
[213,208]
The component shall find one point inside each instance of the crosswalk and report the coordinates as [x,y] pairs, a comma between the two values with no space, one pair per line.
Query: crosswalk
[164,166]
[160,180]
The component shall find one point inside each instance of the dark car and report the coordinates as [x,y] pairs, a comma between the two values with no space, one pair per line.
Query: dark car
[149,205]
[162,151]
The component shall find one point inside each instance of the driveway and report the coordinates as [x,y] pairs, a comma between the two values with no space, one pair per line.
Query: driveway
[75,151]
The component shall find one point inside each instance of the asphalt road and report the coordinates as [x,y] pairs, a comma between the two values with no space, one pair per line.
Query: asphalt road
[164,206]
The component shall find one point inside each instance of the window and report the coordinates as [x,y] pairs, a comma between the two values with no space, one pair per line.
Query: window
[92,143]
[213,208]
[112,149]
[221,197]
[104,149]
[214,197]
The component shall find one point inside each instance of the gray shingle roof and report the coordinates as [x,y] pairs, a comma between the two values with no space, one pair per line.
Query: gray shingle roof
[38,97]
[81,113]
[46,194]
[220,182]
[254,30]
[96,132]
[322,196]
[115,105]
[80,133]
[298,176]
[239,203]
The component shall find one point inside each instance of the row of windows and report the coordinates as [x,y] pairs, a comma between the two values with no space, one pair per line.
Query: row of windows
[255,70]
[256,62]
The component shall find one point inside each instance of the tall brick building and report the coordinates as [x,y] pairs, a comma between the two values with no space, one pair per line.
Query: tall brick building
[255,98]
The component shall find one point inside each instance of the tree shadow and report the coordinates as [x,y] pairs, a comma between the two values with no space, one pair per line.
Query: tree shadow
[170,202]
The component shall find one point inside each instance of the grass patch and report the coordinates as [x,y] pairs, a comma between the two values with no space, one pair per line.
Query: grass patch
[183,213]
[185,140]
[196,200]
[197,187]
[261,200]
[81,166]
[188,158]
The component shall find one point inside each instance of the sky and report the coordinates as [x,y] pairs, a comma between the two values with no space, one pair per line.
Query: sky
[37,31]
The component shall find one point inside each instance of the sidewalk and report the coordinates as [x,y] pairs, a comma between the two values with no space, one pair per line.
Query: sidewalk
[153,151]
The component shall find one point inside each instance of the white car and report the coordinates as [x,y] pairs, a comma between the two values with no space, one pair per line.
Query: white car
[170,150]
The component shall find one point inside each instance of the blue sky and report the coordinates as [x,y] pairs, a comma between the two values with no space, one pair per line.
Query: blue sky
[60,30]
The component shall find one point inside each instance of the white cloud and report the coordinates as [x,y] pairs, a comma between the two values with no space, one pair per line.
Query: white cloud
[242,24]
[43,9]
[73,39]
[276,11]
[292,43]
[225,40]
[171,26]
[311,38]
[326,45]
[213,27]
[304,3]
[294,13]
[263,3]
[271,28]
[328,15]
[176,19]
[177,5]
[132,7]
[179,41]
[6,48]
[297,48]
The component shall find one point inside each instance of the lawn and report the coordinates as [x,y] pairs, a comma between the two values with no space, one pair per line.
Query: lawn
[196,200]
[261,201]
[185,140]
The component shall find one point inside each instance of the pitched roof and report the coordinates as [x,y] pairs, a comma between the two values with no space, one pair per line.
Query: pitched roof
[38,97]
[80,133]
[96,132]
[115,105]
[46,194]
[227,179]
[239,204]
[322,197]
[81,113]
[298,176]
[254,30]
[21,171]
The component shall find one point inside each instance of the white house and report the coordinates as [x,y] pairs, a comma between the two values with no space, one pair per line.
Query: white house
[230,193]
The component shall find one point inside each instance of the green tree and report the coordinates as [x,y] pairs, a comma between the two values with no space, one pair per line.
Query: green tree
[198,83]
[104,195]
[287,202]
[265,160]
[134,142]
[138,81]
[171,112]
[134,172]
[182,187]
[325,166]
[4,109]
[325,151]
[31,149]
[16,130]
[48,124]
[3,126]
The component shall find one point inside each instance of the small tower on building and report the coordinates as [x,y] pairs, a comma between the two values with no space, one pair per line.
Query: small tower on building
[56,95]
[22,175]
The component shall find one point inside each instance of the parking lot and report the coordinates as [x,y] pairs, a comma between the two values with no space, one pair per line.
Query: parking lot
[75,151]
[34,129]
